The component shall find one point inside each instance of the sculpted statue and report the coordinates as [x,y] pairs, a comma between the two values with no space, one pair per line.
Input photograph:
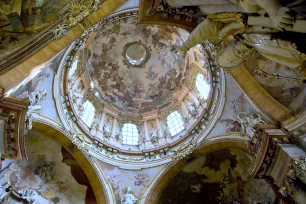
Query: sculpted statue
[106,131]
[167,133]
[128,197]
[238,35]
[34,98]
[28,122]
[141,139]
[248,123]
[193,111]
[154,137]
[118,137]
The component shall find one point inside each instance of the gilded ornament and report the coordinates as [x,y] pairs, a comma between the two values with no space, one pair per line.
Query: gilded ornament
[76,14]
[299,167]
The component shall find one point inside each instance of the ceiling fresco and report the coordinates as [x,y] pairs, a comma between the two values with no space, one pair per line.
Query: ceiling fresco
[132,66]
[42,83]
[50,175]
[238,116]
[289,92]
[219,177]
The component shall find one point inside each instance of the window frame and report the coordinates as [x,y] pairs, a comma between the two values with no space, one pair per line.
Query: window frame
[130,134]
[175,123]
[202,86]
[88,113]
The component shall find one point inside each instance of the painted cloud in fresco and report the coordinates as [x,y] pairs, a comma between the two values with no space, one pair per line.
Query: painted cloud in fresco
[130,88]
[50,174]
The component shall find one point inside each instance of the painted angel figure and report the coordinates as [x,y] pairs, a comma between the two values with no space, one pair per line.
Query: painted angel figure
[128,197]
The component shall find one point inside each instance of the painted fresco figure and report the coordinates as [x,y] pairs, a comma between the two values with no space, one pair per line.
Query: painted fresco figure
[128,198]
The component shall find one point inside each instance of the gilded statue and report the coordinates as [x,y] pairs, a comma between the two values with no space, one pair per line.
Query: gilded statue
[238,35]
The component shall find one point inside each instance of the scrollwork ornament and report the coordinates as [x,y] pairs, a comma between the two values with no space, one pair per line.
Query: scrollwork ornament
[80,142]
[185,152]
[288,189]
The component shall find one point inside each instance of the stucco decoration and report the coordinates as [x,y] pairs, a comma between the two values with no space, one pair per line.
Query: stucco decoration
[50,174]
[219,177]
[132,66]
[238,116]
[41,81]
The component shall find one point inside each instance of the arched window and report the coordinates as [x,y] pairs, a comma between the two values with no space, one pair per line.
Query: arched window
[202,86]
[130,134]
[175,123]
[88,113]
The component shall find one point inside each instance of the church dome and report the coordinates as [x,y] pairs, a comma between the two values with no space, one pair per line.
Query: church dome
[128,91]
[132,68]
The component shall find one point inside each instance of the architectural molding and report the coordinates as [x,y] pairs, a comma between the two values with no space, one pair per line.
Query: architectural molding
[295,122]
